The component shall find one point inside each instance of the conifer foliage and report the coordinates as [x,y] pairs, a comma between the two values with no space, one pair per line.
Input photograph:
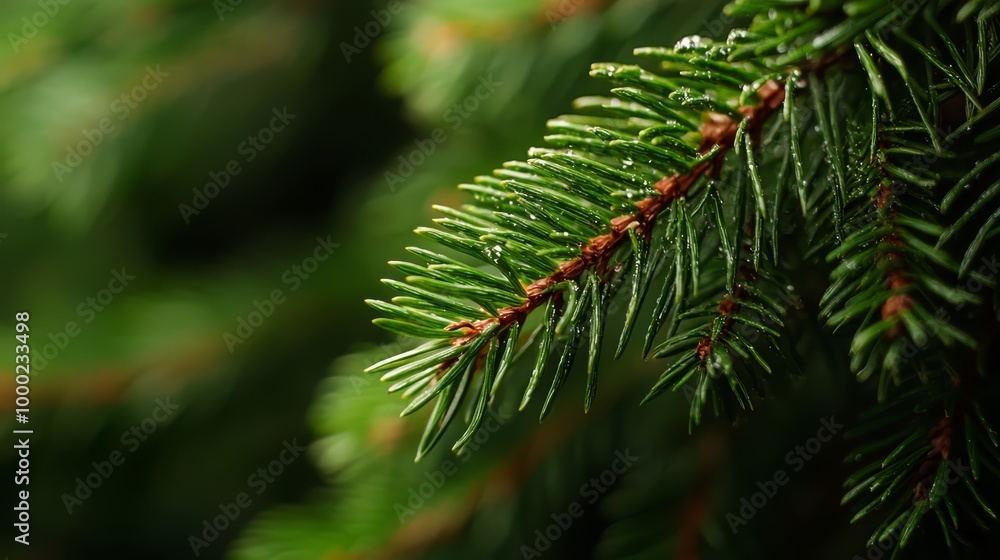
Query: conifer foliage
[857,138]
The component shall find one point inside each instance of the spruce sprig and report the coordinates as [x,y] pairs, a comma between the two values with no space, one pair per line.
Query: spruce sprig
[679,187]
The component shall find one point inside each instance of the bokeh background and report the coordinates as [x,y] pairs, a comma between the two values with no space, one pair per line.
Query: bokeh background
[227,65]
[181,87]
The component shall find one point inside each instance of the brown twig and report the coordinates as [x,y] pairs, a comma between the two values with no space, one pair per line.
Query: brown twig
[896,278]
[940,440]
[728,307]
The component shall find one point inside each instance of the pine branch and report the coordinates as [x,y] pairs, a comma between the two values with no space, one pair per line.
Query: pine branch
[894,297]
[737,331]
[921,465]
[687,191]
[719,136]
[896,220]
[571,207]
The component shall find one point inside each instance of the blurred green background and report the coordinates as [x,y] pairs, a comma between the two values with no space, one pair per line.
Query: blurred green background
[114,114]
[119,123]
